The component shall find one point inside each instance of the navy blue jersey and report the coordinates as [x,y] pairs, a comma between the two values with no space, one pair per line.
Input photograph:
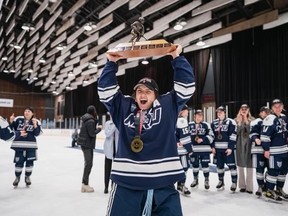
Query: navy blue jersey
[255,131]
[203,131]
[183,136]
[157,165]
[5,131]
[25,142]
[274,135]
[225,133]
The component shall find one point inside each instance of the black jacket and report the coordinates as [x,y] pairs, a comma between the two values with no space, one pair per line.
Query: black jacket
[88,131]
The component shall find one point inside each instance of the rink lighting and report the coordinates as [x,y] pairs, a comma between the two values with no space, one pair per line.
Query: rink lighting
[144,62]
[200,42]
[42,60]
[5,71]
[30,70]
[89,26]
[4,58]
[61,46]
[28,27]
[53,82]
[70,74]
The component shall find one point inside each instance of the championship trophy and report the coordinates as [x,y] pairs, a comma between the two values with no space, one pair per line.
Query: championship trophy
[136,48]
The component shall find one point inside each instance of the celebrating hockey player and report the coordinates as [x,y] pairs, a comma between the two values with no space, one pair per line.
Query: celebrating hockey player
[274,142]
[184,146]
[224,130]
[258,160]
[6,133]
[146,164]
[202,138]
[25,146]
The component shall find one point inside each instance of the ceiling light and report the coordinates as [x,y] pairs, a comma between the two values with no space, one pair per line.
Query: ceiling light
[4,58]
[53,82]
[144,62]
[70,74]
[12,71]
[45,84]
[17,46]
[30,70]
[28,79]
[61,46]
[55,92]
[92,65]
[42,60]
[68,88]
[89,26]
[180,24]
[6,71]
[28,27]
[35,78]
[200,42]
[85,81]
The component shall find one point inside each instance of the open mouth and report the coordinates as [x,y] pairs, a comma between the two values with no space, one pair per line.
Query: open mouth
[143,101]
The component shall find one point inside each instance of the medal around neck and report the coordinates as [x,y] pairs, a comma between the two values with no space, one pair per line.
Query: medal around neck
[136,144]
[196,138]
[219,136]
[136,48]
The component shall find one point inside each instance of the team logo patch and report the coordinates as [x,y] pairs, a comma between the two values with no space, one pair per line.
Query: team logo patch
[261,163]
[279,164]
[17,159]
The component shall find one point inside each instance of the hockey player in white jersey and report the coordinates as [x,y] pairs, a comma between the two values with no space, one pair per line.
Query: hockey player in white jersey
[202,138]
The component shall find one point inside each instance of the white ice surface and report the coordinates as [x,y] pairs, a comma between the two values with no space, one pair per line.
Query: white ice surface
[56,183]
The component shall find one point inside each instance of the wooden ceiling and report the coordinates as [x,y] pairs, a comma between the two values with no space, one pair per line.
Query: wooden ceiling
[32,57]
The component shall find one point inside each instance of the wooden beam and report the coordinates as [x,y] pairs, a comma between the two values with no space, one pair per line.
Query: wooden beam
[74,8]
[55,6]
[75,35]
[22,7]
[70,22]
[63,57]
[282,19]
[67,69]
[103,23]
[113,6]
[20,36]
[157,7]
[37,27]
[185,40]
[72,61]
[69,46]
[191,23]
[92,53]
[11,12]
[43,46]
[134,3]
[79,52]
[33,39]
[40,9]
[111,33]
[10,26]
[59,39]
[52,52]
[210,6]
[247,24]
[248,2]
[47,34]
[90,39]
[176,14]
[52,19]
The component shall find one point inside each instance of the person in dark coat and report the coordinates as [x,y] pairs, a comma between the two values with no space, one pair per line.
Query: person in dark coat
[87,141]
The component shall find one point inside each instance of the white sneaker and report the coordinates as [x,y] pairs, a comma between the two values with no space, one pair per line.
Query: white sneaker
[87,189]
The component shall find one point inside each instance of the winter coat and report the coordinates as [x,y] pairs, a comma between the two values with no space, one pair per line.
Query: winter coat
[243,146]
[111,140]
[88,131]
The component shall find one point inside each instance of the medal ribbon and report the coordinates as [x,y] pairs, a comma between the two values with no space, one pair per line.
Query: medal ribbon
[139,119]
[219,127]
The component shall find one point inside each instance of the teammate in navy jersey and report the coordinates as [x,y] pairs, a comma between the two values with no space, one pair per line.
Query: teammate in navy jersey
[6,133]
[224,130]
[146,165]
[274,142]
[202,138]
[25,146]
[184,146]
[258,159]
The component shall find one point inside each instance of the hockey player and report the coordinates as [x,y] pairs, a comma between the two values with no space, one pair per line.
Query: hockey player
[258,159]
[25,146]
[6,133]
[274,142]
[146,164]
[224,130]
[184,146]
[202,137]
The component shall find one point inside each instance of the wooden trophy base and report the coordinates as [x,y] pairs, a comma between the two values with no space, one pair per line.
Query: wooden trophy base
[143,49]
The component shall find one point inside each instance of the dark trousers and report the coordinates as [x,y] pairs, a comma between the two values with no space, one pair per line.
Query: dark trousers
[88,163]
[107,171]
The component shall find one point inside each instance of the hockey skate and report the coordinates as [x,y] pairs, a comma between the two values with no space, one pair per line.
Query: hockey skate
[16,182]
[185,190]
[27,181]
[259,191]
[233,187]
[194,184]
[87,189]
[272,196]
[220,185]
[206,184]
[281,194]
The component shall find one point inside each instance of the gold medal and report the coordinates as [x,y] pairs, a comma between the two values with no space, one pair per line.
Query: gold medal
[219,137]
[136,144]
[196,139]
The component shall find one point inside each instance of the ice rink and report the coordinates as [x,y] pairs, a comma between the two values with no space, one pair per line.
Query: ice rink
[56,183]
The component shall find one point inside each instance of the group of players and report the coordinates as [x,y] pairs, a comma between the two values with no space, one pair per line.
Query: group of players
[22,131]
[268,147]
